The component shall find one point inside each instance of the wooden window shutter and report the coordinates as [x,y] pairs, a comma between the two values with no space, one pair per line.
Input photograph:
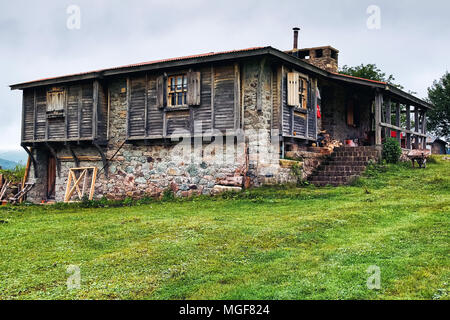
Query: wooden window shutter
[161,99]
[194,89]
[293,89]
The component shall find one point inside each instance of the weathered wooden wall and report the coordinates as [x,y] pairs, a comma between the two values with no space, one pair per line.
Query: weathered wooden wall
[296,123]
[219,105]
[84,117]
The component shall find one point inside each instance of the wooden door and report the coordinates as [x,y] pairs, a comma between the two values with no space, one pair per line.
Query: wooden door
[51,177]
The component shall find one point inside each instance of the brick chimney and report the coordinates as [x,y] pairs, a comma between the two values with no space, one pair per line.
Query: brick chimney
[325,57]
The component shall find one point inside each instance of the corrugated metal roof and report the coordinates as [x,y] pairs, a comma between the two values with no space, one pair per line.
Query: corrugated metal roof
[358,78]
[209,54]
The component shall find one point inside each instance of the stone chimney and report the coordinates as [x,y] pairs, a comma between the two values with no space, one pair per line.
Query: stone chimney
[326,57]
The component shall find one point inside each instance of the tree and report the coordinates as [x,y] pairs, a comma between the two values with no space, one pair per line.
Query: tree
[369,71]
[439,116]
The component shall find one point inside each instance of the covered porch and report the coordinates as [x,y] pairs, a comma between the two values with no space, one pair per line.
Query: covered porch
[365,113]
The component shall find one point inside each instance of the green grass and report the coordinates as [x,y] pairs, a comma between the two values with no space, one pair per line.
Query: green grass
[271,243]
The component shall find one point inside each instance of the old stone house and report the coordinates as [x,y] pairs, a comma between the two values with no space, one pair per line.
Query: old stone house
[230,109]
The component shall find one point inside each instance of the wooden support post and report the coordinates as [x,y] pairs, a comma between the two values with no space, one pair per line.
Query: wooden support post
[128,107]
[388,115]
[95,105]
[80,110]
[75,158]
[213,114]
[424,129]
[104,160]
[416,127]
[315,108]
[378,107]
[397,122]
[146,106]
[237,96]
[33,160]
[408,126]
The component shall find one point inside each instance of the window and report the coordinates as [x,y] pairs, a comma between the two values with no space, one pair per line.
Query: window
[319,53]
[303,93]
[55,100]
[177,87]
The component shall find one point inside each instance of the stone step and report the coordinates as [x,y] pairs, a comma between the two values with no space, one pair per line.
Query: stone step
[352,158]
[334,179]
[343,169]
[338,174]
[354,154]
[347,163]
[344,148]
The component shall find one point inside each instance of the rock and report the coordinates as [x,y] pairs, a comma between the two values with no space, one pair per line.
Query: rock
[221,189]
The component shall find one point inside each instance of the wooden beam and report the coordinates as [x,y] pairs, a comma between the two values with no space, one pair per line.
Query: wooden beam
[128,107]
[95,109]
[213,115]
[388,115]
[424,129]
[316,101]
[416,126]
[146,106]
[104,159]
[378,107]
[33,160]
[80,110]
[408,126]
[392,127]
[237,96]
[34,114]
[108,114]
[397,122]
[74,156]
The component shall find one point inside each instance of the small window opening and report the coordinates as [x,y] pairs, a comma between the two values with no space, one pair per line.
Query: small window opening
[303,54]
[177,90]
[319,53]
[334,54]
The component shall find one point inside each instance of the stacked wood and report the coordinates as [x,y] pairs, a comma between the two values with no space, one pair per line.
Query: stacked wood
[4,189]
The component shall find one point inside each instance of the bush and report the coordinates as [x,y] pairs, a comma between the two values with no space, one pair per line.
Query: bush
[391,150]
[15,175]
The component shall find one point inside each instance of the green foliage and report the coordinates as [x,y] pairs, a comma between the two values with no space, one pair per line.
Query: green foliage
[297,171]
[439,117]
[391,150]
[16,175]
[369,71]
[168,195]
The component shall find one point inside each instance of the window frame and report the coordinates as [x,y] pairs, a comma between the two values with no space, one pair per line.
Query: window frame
[173,90]
[303,93]
[52,108]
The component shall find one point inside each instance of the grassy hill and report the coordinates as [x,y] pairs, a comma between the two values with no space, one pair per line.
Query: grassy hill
[271,243]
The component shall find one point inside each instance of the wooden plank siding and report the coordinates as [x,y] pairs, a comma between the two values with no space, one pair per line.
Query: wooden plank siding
[298,123]
[219,106]
[78,120]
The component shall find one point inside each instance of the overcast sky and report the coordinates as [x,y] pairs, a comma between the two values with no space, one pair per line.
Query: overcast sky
[412,44]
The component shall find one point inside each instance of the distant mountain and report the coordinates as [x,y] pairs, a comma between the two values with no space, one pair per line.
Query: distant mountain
[18,156]
[7,165]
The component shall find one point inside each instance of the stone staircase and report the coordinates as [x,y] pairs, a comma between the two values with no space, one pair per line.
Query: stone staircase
[343,166]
